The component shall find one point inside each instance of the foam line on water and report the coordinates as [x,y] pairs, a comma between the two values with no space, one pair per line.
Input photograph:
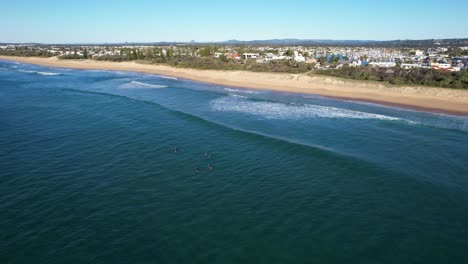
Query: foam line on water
[136,84]
[237,96]
[273,110]
[240,91]
[41,73]
[167,77]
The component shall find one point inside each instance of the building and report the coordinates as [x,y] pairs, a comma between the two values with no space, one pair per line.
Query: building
[460,62]
[298,57]
[410,65]
[355,63]
[234,56]
[383,64]
[419,53]
[247,56]
[441,65]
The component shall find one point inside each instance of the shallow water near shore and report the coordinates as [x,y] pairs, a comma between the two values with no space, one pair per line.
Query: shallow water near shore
[101,166]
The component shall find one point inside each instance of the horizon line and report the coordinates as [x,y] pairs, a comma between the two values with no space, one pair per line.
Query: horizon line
[227,41]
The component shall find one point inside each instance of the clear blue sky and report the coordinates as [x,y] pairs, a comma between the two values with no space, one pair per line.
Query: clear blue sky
[50,21]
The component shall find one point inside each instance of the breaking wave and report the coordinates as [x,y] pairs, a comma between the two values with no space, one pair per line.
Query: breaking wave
[237,96]
[136,84]
[167,77]
[49,73]
[273,110]
[42,73]
[240,91]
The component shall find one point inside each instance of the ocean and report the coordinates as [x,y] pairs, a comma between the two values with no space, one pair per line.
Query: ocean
[121,167]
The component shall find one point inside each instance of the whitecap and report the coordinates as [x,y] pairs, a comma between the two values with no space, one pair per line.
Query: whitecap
[136,84]
[168,77]
[273,110]
[26,71]
[42,73]
[240,91]
[49,73]
[238,96]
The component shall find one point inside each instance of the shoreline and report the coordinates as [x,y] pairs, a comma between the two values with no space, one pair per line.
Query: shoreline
[432,99]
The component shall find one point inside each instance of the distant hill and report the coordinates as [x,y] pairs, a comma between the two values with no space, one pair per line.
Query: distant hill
[296,42]
[330,42]
[456,42]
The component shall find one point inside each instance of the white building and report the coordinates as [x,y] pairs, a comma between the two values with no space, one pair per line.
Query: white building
[410,65]
[383,64]
[355,63]
[298,57]
[419,52]
[441,65]
[271,56]
[247,56]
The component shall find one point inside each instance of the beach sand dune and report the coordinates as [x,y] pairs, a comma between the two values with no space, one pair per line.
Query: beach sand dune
[424,98]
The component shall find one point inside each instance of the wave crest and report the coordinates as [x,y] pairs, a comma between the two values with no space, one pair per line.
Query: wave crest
[241,91]
[273,110]
[42,73]
[167,77]
[136,84]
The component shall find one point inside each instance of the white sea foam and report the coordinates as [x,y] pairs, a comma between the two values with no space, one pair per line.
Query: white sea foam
[49,73]
[238,96]
[273,110]
[136,84]
[240,91]
[42,73]
[168,77]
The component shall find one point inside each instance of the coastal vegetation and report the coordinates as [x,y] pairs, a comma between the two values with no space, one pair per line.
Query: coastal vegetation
[400,76]
[26,53]
[440,67]
[200,58]
[209,63]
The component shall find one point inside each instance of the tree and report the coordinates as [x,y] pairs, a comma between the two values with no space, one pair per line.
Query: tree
[398,62]
[323,60]
[169,53]
[206,51]
[289,52]
[223,58]
[85,53]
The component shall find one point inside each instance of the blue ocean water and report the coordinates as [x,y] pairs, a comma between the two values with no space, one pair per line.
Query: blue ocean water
[112,167]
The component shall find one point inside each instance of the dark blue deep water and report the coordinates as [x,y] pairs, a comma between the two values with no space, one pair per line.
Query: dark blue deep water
[89,174]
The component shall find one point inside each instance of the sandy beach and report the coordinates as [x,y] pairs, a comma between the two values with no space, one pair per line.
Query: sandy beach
[424,98]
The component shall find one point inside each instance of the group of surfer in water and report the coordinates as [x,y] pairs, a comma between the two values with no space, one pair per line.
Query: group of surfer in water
[206,155]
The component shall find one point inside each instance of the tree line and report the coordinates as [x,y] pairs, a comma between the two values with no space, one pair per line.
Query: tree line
[400,76]
[26,53]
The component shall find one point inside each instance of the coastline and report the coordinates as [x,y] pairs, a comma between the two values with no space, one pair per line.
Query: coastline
[433,99]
